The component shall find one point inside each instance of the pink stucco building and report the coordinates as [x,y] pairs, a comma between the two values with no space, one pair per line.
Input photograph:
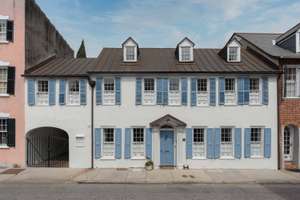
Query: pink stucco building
[27,37]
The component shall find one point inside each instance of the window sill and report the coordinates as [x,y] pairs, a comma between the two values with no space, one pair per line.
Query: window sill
[138,158]
[227,158]
[4,95]
[4,42]
[108,158]
[199,158]
[290,98]
[4,147]
[257,157]
[258,104]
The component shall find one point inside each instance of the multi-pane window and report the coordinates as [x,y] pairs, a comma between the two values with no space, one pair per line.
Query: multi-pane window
[226,143]
[108,142]
[130,53]
[186,54]
[74,96]
[42,92]
[287,145]
[149,91]
[109,91]
[230,91]
[138,143]
[199,143]
[3,131]
[202,91]
[290,82]
[254,95]
[233,54]
[3,80]
[256,142]
[174,91]
[3,30]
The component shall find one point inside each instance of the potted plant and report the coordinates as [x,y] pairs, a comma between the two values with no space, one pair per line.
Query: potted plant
[149,165]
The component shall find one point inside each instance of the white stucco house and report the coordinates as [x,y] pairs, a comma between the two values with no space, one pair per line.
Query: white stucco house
[179,107]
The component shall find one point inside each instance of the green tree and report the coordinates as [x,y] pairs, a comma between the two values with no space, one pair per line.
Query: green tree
[81,51]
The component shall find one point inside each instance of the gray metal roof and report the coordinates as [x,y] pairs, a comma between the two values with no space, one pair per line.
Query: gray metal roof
[264,41]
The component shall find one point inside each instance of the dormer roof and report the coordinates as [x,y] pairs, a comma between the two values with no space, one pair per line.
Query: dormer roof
[184,39]
[287,33]
[130,39]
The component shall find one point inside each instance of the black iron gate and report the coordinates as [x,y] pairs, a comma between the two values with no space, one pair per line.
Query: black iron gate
[50,149]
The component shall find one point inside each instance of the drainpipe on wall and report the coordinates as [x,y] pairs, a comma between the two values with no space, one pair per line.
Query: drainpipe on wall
[92,84]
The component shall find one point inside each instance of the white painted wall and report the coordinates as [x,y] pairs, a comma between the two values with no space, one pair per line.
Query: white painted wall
[128,114]
[75,120]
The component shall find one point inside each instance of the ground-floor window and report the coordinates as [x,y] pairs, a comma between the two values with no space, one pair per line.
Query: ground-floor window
[138,143]
[108,142]
[3,132]
[199,143]
[226,149]
[287,144]
[256,142]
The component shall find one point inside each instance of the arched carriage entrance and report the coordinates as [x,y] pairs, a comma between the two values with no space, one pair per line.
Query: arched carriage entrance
[291,147]
[47,147]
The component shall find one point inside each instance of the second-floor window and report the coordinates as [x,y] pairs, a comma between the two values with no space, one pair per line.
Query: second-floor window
[149,91]
[254,95]
[174,91]
[109,91]
[199,143]
[3,30]
[3,80]
[3,132]
[186,54]
[138,143]
[292,82]
[74,95]
[130,53]
[226,143]
[42,92]
[230,91]
[108,142]
[202,92]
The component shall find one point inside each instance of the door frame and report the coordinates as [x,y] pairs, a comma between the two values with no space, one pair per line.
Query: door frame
[291,135]
[174,146]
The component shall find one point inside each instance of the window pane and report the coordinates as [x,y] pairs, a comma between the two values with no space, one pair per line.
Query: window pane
[3,30]
[226,142]
[229,85]
[202,85]
[199,135]
[43,86]
[138,135]
[74,96]
[109,85]
[3,81]
[226,135]
[233,53]
[108,135]
[130,53]
[174,84]
[149,84]
[185,53]
[256,142]
[254,85]
[3,131]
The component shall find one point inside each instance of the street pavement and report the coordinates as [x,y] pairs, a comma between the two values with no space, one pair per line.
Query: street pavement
[71,191]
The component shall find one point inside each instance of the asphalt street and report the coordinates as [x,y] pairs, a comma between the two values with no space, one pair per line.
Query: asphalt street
[150,191]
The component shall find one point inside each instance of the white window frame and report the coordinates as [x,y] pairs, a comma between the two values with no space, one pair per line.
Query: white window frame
[4,81]
[197,146]
[108,145]
[186,54]
[297,82]
[227,144]
[255,97]
[138,145]
[3,38]
[261,143]
[230,93]
[4,132]
[298,41]
[73,96]
[202,96]
[174,97]
[149,98]
[127,58]
[42,95]
[234,44]
[109,96]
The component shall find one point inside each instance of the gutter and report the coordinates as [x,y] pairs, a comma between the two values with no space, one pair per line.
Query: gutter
[92,84]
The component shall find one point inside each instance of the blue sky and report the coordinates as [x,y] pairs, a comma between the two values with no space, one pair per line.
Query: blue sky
[163,23]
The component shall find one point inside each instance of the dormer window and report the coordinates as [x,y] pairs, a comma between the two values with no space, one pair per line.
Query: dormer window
[130,50]
[185,50]
[234,52]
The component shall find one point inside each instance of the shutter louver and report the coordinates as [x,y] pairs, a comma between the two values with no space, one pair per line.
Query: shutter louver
[149,143]
[99,91]
[31,92]
[193,92]
[11,128]
[217,142]
[10,31]
[265,91]
[118,91]
[138,91]
[52,91]
[247,143]
[212,92]
[127,150]
[98,143]
[11,73]
[210,143]
[237,143]
[267,143]
[82,92]
[184,93]
[62,92]
[222,91]
[189,143]
[118,143]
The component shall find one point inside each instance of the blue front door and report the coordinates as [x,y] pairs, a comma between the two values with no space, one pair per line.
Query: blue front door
[166,148]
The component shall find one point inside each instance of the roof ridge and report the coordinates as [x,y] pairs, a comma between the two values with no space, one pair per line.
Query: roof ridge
[262,33]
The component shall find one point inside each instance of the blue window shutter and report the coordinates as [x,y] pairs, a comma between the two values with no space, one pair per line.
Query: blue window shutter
[246,90]
[210,143]
[118,91]
[184,94]
[247,142]
[62,92]
[31,92]
[212,91]
[267,143]
[82,92]
[138,91]
[240,91]
[149,143]
[52,91]
[98,143]
[165,91]
[217,142]
[118,143]
[159,91]
[189,143]
[194,92]
[265,91]
[222,91]
[128,143]
[237,143]
[99,91]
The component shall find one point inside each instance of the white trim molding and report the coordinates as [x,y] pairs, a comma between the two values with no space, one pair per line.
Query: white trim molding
[3,17]
[4,63]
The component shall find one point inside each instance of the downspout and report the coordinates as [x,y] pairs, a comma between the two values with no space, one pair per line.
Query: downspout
[92,84]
